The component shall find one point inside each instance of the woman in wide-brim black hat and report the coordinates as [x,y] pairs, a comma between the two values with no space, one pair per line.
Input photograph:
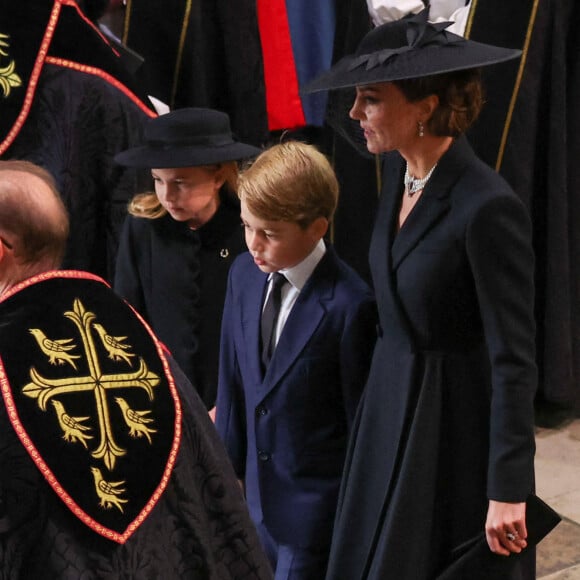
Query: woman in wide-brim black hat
[179,241]
[442,451]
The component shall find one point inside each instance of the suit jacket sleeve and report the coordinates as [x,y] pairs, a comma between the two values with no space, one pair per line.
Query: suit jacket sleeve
[500,253]
[230,414]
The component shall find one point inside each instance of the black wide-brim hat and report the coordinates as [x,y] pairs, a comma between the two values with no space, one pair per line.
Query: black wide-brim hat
[408,48]
[188,137]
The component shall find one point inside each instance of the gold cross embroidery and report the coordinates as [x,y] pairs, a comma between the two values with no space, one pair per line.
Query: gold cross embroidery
[44,389]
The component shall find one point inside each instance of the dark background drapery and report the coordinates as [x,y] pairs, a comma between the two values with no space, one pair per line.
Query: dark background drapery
[540,159]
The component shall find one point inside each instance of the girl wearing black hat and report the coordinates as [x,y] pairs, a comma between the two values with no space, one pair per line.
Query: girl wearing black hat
[442,450]
[178,243]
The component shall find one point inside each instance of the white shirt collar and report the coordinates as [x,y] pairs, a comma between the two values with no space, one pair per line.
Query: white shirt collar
[298,275]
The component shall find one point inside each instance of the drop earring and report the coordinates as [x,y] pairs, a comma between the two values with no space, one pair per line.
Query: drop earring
[421,129]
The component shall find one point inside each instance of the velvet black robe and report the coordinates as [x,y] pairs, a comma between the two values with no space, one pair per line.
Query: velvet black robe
[77,124]
[203,53]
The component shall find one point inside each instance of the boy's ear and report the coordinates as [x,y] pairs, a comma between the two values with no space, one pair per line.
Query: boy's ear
[318,228]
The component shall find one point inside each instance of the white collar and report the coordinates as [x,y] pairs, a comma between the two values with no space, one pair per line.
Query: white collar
[298,275]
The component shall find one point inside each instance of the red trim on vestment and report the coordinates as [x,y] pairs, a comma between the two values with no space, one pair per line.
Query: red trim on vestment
[91,24]
[39,461]
[76,274]
[33,82]
[42,58]
[91,70]
[283,103]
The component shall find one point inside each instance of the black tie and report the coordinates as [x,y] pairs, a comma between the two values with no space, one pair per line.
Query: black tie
[270,317]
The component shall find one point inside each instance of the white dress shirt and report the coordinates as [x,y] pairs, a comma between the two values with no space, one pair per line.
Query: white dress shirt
[297,277]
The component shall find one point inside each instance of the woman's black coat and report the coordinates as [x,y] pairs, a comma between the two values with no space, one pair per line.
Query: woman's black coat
[446,420]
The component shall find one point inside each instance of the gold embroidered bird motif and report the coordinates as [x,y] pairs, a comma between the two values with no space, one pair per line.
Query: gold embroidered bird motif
[71,427]
[136,420]
[9,79]
[114,345]
[108,491]
[57,351]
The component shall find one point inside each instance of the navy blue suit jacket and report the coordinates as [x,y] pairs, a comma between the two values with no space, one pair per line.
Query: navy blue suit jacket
[286,432]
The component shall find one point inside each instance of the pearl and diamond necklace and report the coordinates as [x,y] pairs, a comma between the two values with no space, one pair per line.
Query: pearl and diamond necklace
[412,184]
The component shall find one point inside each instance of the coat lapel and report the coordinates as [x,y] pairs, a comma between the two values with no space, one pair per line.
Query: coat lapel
[387,216]
[389,248]
[433,204]
[430,208]
[380,256]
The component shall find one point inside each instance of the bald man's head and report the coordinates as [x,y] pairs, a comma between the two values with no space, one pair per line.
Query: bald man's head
[33,219]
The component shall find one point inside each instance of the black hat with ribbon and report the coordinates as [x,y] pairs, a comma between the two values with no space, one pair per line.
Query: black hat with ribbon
[408,48]
[188,137]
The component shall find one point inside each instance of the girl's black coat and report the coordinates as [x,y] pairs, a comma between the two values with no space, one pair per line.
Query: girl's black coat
[176,278]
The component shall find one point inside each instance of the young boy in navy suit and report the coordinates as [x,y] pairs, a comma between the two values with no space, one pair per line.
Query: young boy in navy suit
[291,375]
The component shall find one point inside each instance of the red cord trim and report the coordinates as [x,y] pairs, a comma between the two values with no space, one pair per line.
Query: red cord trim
[91,70]
[33,82]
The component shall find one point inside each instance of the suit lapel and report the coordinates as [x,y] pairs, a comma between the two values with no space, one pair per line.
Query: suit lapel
[252,313]
[302,322]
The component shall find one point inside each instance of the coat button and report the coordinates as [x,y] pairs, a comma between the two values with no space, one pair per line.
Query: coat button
[263,456]
[261,410]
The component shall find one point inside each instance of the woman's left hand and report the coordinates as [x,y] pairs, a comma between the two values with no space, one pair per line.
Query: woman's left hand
[505,528]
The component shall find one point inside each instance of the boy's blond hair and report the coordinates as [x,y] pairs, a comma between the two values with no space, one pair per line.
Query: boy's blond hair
[147,205]
[291,182]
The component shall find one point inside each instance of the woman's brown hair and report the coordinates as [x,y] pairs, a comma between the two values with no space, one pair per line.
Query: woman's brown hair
[460,96]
